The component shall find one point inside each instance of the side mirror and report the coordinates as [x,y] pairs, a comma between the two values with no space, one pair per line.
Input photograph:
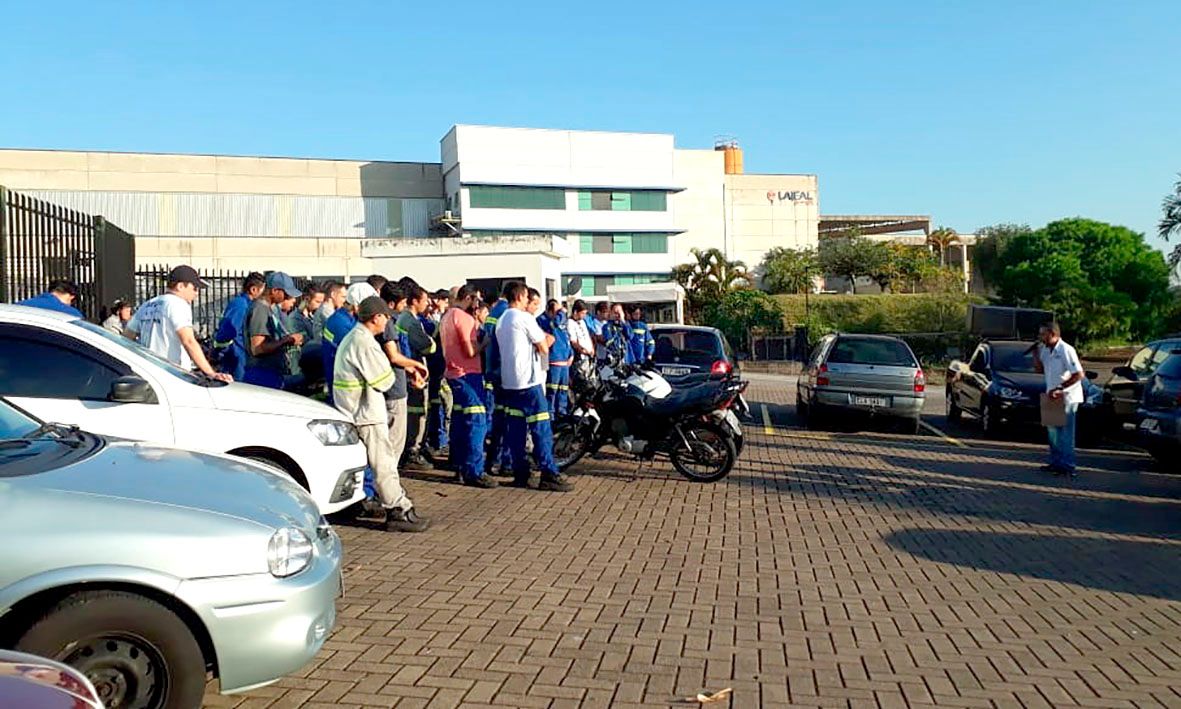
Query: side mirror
[1126,373]
[132,390]
[1092,375]
[955,366]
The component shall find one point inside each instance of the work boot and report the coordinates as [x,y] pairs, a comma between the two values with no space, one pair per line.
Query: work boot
[415,463]
[400,520]
[555,483]
[371,510]
[483,481]
[530,482]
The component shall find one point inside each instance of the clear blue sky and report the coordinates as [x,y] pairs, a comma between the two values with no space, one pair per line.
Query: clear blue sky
[975,113]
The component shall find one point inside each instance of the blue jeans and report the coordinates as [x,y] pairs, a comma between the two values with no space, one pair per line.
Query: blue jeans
[436,417]
[469,425]
[528,414]
[1062,440]
[558,388]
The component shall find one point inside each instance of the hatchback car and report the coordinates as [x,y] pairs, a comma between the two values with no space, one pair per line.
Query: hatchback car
[690,354]
[71,371]
[1158,421]
[145,568]
[1125,386]
[873,374]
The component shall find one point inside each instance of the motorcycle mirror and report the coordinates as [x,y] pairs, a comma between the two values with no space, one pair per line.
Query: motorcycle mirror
[574,285]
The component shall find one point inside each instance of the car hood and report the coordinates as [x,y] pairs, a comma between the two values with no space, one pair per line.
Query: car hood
[215,484]
[248,398]
[1028,382]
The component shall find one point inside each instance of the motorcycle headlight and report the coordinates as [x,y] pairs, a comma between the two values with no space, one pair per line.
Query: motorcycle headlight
[1010,393]
[289,552]
[334,433]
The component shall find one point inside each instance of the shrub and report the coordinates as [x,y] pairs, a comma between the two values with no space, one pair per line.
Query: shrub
[739,312]
[894,313]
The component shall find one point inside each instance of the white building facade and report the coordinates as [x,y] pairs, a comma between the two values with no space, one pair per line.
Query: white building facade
[615,209]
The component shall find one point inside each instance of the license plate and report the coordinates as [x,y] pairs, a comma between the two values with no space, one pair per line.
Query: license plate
[675,371]
[1150,425]
[733,421]
[874,401]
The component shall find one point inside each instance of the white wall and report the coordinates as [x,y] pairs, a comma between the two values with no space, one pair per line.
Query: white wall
[699,210]
[766,211]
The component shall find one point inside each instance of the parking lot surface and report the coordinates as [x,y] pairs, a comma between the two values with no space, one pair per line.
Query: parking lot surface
[833,570]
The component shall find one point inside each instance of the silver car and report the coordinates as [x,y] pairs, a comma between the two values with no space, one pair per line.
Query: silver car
[147,568]
[874,374]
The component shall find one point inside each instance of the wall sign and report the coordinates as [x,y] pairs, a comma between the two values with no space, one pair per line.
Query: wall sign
[788,196]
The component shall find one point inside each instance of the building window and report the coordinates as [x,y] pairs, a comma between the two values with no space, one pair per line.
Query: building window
[596,284]
[623,201]
[502,197]
[623,244]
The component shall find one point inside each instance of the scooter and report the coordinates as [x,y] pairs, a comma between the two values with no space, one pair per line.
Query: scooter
[635,410]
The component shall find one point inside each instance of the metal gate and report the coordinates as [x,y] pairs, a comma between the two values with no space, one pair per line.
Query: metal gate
[41,242]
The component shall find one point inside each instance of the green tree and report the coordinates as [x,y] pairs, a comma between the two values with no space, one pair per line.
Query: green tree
[991,242]
[709,277]
[914,265]
[1103,281]
[1170,222]
[849,255]
[740,312]
[942,239]
[790,270]
[883,264]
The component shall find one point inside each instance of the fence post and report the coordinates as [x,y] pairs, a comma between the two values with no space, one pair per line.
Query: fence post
[4,265]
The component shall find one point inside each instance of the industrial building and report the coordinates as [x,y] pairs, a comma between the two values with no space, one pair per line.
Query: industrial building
[614,209]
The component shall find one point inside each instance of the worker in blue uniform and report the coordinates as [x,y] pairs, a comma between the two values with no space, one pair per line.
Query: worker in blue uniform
[496,453]
[640,343]
[229,341]
[561,356]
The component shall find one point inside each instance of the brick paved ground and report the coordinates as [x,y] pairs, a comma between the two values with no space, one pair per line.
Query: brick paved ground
[826,571]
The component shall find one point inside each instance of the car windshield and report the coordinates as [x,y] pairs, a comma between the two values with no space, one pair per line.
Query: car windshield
[697,347]
[1015,359]
[14,424]
[144,353]
[882,352]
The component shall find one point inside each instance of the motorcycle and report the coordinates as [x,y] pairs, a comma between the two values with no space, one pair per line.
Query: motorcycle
[635,410]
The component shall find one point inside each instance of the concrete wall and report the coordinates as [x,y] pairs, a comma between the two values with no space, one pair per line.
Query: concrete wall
[699,210]
[446,262]
[766,211]
[302,256]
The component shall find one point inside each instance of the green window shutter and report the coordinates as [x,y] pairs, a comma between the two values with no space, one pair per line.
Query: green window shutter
[649,201]
[586,244]
[621,243]
[584,201]
[621,201]
[625,280]
[501,197]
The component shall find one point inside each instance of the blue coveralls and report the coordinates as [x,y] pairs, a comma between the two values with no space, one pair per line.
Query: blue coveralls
[436,416]
[494,400]
[528,414]
[561,355]
[640,343]
[335,328]
[230,339]
[615,334]
[469,424]
[47,301]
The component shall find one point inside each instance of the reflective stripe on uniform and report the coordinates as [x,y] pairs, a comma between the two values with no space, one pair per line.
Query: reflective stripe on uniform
[347,384]
[416,409]
[514,412]
[389,373]
[220,345]
[490,320]
[543,416]
[558,387]
[329,336]
[468,410]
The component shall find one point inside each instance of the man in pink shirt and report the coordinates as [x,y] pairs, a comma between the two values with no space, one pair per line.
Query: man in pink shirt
[469,419]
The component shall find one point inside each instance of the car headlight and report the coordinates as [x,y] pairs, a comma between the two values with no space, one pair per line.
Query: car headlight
[289,552]
[1009,393]
[334,433]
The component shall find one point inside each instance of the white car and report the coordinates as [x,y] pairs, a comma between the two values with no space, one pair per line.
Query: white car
[66,370]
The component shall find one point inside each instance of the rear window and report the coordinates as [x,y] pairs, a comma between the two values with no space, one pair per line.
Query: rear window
[688,347]
[1170,368]
[890,353]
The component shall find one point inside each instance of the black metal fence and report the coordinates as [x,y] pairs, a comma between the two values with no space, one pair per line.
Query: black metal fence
[41,242]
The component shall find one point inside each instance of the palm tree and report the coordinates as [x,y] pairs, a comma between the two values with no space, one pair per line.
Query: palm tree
[710,276]
[1170,222]
[942,239]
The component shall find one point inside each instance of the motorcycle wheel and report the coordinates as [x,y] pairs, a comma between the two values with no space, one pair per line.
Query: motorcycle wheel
[710,456]
[570,444]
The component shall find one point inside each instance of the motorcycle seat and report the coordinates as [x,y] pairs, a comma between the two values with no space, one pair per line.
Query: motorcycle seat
[683,399]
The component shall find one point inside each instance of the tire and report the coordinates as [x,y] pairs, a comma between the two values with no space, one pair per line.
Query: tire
[802,412]
[817,417]
[570,444]
[136,652]
[954,413]
[707,439]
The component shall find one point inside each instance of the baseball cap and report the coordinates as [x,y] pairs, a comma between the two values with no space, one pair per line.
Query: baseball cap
[371,306]
[283,282]
[186,274]
[358,292]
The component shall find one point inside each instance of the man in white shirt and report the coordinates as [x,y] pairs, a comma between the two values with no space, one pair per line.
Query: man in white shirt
[522,345]
[1064,375]
[164,324]
[580,337]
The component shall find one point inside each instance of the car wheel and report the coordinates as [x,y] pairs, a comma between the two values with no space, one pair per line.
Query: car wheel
[815,417]
[801,410]
[954,412]
[136,652]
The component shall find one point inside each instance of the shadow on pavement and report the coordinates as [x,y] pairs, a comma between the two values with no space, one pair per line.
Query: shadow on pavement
[1140,567]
